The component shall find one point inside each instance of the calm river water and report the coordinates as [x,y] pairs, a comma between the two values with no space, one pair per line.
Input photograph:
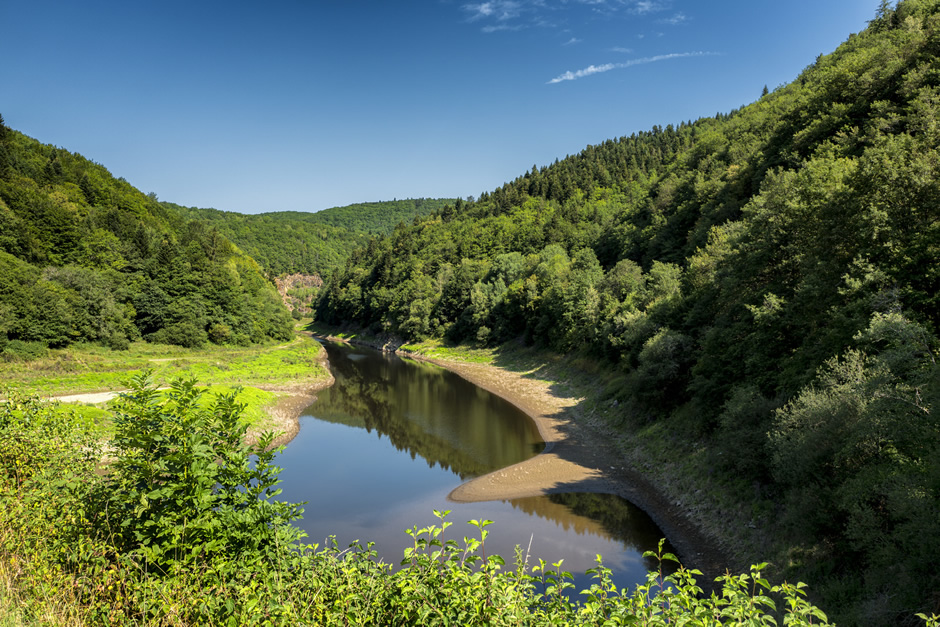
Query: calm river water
[383,447]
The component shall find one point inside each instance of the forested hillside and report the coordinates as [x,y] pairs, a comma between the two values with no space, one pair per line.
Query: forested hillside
[310,243]
[767,281]
[85,257]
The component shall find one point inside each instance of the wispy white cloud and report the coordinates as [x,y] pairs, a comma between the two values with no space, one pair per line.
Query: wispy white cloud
[642,7]
[572,41]
[493,28]
[597,69]
[507,15]
[496,9]
[678,18]
[478,11]
[501,15]
[591,69]
[622,50]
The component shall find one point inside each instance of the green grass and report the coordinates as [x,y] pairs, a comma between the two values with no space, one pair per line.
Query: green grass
[256,401]
[264,373]
[324,330]
[88,368]
[97,415]
[437,349]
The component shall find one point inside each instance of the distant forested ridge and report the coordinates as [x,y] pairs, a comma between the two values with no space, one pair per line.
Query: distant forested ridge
[768,283]
[86,257]
[310,243]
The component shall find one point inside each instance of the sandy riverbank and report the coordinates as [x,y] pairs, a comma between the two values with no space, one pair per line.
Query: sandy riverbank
[579,457]
[284,414]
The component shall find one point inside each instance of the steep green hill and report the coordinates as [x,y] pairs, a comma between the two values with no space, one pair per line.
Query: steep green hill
[85,257]
[767,282]
[310,243]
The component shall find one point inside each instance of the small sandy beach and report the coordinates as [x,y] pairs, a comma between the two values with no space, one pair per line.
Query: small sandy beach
[284,415]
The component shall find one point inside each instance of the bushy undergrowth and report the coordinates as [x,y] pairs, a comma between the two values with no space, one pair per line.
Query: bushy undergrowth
[18,350]
[182,528]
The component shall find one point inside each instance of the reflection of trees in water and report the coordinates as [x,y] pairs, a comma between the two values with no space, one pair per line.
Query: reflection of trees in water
[434,414]
[605,515]
[426,411]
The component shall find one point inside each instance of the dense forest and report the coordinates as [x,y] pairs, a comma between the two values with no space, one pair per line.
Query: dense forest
[766,281]
[86,257]
[286,242]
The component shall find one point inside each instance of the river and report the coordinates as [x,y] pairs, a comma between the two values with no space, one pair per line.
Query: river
[383,447]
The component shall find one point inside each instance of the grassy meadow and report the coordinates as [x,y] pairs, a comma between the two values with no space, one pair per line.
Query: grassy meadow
[264,373]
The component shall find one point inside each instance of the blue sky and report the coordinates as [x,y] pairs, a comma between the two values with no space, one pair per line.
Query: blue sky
[274,105]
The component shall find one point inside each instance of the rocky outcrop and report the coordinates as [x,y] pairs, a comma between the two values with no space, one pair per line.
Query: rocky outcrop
[297,290]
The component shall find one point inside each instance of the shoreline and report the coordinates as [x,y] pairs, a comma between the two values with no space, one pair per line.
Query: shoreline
[284,414]
[580,453]
[580,456]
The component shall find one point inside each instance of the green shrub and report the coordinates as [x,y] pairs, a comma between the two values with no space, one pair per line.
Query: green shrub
[18,350]
[183,486]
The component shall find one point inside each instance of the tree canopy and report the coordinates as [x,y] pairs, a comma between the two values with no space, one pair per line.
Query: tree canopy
[286,242]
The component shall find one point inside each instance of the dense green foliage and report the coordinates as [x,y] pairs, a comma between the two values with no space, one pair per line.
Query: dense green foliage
[183,489]
[766,281]
[286,242]
[183,530]
[85,257]
[374,218]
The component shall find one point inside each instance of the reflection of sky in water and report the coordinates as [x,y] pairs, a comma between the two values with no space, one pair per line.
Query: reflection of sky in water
[359,486]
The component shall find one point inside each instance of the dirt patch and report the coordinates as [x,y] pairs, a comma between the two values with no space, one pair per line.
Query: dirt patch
[92,398]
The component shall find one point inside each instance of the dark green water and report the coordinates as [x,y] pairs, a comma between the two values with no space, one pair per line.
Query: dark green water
[383,447]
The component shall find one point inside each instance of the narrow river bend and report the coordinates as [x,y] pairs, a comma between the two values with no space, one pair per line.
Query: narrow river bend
[385,445]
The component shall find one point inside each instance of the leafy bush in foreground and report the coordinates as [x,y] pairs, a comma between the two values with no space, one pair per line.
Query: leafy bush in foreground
[180,529]
[183,486]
